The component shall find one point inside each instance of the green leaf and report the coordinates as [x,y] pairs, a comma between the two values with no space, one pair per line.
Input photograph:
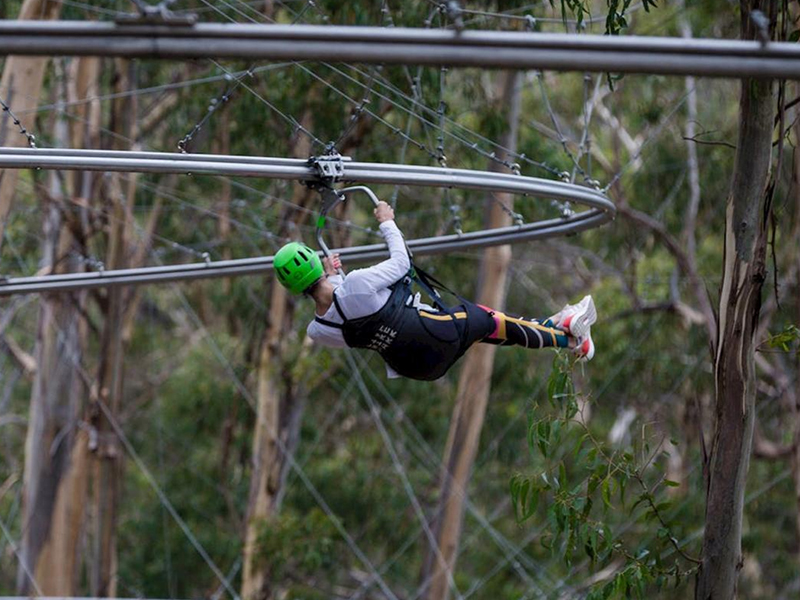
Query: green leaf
[784,339]
[605,491]
[670,483]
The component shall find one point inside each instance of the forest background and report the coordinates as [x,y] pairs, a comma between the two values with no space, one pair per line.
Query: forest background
[187,440]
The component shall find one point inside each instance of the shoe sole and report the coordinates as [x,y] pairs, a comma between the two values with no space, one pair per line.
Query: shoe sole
[589,353]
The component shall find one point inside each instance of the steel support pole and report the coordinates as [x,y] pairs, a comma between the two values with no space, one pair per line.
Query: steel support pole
[493,49]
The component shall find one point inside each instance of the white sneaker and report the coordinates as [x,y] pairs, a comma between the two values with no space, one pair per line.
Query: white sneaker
[585,348]
[577,319]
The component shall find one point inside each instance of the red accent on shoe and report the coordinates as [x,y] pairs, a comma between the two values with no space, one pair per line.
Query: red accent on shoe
[566,322]
[585,346]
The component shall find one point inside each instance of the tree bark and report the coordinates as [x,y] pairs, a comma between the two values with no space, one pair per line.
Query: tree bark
[474,382]
[55,480]
[277,416]
[20,87]
[744,272]
[795,412]
[106,452]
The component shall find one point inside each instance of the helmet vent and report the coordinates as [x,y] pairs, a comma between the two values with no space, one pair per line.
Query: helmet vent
[297,262]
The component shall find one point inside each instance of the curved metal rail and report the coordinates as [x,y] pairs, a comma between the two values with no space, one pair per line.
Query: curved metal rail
[599,208]
[471,48]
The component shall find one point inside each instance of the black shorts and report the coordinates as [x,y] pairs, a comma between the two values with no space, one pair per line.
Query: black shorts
[467,323]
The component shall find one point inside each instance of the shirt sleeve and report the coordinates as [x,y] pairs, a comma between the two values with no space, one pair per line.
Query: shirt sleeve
[327,336]
[385,273]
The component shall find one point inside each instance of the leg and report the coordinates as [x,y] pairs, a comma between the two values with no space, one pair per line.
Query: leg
[531,333]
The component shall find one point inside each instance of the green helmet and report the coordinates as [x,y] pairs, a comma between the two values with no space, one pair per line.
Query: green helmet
[297,266]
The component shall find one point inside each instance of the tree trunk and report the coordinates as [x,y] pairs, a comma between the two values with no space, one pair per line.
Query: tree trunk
[106,453]
[267,459]
[744,271]
[795,242]
[20,87]
[278,415]
[474,382]
[55,480]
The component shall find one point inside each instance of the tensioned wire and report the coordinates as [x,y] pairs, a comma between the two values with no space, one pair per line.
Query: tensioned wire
[293,122]
[23,563]
[148,476]
[431,110]
[401,472]
[398,131]
[244,392]
[495,570]
[219,353]
[433,463]
[353,102]
[240,185]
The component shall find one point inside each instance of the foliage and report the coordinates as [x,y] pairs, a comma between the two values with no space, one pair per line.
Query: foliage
[615,16]
[784,340]
[583,480]
[299,547]
[195,346]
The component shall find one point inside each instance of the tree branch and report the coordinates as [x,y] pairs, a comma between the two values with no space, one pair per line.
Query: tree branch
[684,263]
[769,450]
[709,142]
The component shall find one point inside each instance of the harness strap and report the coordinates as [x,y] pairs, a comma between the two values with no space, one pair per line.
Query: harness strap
[430,285]
[328,323]
[339,310]
[338,307]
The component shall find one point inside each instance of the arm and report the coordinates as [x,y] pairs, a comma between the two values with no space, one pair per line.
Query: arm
[384,274]
[387,272]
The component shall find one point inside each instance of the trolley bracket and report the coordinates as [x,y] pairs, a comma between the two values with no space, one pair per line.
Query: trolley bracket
[329,168]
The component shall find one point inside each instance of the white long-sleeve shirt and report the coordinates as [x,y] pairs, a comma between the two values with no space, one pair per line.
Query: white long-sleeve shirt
[364,291]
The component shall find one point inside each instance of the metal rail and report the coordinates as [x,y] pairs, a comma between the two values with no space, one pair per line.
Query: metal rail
[470,48]
[599,208]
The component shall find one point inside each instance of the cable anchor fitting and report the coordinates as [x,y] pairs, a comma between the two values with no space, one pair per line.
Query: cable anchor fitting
[761,22]
[455,14]
[158,14]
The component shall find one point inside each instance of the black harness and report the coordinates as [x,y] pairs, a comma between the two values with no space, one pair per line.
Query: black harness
[412,345]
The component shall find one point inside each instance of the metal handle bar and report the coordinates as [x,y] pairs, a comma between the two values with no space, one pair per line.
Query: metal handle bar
[361,188]
[332,197]
[375,201]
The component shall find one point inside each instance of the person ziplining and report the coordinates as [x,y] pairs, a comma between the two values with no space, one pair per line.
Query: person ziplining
[375,308]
